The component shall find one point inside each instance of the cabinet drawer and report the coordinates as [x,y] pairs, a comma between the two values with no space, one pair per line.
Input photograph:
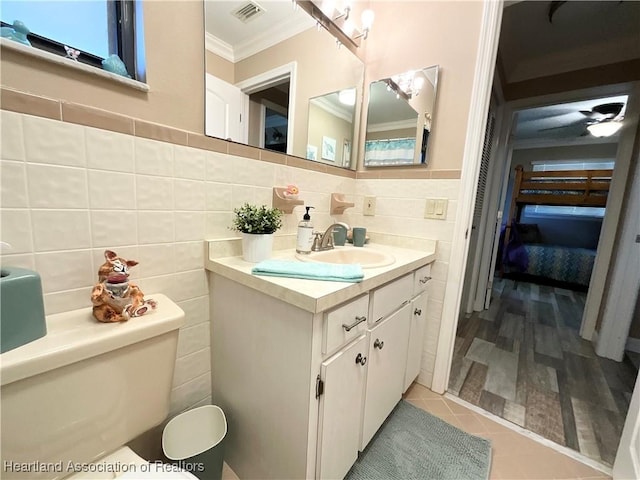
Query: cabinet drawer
[421,278]
[344,323]
[388,298]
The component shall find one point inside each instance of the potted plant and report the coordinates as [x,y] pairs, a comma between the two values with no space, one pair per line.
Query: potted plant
[257,225]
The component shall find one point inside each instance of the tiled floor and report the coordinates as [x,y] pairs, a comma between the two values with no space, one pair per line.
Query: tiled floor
[514,456]
[523,360]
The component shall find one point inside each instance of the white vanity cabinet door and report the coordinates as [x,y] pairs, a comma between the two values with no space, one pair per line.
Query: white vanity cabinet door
[343,375]
[388,342]
[416,338]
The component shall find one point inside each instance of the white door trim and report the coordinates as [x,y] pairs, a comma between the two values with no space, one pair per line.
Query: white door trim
[611,222]
[273,77]
[476,125]
[619,302]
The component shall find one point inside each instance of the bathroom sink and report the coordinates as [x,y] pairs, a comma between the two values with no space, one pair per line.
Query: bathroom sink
[366,257]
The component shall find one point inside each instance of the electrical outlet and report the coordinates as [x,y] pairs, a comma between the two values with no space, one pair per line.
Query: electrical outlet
[369,208]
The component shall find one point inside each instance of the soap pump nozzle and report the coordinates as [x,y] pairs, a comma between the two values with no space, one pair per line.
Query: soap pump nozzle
[306,215]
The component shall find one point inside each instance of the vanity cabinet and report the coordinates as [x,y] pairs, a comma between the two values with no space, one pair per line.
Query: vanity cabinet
[303,390]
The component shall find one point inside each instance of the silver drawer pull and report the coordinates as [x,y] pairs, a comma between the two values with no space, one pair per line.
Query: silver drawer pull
[425,279]
[417,312]
[378,344]
[359,320]
[361,360]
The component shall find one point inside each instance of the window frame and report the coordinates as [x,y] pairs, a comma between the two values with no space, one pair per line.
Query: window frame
[122,35]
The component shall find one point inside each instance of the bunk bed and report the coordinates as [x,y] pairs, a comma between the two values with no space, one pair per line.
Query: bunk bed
[522,249]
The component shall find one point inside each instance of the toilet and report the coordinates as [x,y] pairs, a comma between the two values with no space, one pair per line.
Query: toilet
[74,398]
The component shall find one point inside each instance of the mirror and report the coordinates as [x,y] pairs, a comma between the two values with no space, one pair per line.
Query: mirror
[400,118]
[331,127]
[263,67]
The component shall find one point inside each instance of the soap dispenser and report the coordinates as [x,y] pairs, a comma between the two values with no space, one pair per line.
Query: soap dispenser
[305,234]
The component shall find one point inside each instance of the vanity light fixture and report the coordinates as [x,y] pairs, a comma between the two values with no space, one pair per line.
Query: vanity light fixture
[347,96]
[604,129]
[337,20]
[409,83]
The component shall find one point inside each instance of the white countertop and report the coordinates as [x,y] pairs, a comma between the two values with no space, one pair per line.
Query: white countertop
[316,295]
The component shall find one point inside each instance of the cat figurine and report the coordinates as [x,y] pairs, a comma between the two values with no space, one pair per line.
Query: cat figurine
[114,299]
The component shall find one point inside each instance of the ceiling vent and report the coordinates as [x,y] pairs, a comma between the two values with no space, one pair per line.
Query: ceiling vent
[248,11]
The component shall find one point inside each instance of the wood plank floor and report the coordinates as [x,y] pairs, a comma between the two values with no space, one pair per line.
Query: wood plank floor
[523,360]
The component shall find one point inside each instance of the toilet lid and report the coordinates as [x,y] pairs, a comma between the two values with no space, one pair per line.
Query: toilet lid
[152,471]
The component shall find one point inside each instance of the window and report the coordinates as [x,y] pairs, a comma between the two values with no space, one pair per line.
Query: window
[559,165]
[97,28]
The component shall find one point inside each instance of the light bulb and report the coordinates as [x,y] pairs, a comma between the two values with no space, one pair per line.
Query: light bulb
[348,27]
[328,6]
[367,19]
[348,96]
[604,129]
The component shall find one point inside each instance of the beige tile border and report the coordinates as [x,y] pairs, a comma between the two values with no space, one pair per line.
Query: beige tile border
[22,102]
[31,104]
[93,117]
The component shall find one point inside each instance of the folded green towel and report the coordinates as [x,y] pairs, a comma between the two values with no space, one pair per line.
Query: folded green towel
[310,270]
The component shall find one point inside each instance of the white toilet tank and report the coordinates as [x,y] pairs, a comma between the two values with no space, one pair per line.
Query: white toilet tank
[85,389]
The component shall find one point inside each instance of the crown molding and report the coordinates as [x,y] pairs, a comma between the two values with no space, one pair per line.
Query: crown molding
[218,47]
[399,125]
[332,109]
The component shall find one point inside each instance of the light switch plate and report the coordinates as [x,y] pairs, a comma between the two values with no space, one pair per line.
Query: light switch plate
[369,207]
[436,208]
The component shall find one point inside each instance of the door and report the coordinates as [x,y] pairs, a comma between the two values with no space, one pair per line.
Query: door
[340,409]
[416,338]
[225,106]
[627,463]
[388,343]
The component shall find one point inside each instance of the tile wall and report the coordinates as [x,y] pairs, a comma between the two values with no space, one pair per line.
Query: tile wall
[70,191]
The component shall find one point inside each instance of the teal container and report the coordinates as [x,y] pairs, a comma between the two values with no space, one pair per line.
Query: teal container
[194,441]
[21,308]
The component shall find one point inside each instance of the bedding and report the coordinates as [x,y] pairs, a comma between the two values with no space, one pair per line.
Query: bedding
[565,264]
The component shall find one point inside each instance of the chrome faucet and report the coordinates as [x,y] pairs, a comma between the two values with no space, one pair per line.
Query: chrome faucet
[324,241]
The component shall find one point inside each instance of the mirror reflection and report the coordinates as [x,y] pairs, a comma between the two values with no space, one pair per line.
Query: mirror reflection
[262,72]
[331,127]
[400,118]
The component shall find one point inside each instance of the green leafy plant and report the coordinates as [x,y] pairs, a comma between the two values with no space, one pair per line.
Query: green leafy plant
[256,220]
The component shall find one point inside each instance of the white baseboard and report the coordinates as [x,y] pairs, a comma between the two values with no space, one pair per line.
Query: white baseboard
[633,344]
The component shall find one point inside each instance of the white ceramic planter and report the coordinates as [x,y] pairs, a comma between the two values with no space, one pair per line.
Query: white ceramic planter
[256,247]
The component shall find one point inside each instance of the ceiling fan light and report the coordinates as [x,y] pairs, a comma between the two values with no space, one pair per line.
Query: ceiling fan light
[604,129]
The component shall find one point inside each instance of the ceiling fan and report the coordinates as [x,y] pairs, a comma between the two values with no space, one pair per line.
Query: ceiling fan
[601,121]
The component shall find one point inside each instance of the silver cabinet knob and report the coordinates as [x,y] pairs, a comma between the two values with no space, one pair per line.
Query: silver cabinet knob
[378,344]
[361,360]
[425,279]
[417,312]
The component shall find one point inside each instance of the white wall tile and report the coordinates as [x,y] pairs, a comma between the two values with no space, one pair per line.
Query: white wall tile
[218,196]
[192,366]
[218,225]
[13,185]
[263,196]
[190,393]
[52,186]
[113,228]
[67,300]
[154,193]
[112,191]
[196,310]
[109,150]
[12,147]
[189,255]
[153,157]
[189,162]
[155,227]
[219,167]
[60,229]
[25,260]
[189,195]
[193,339]
[241,194]
[152,285]
[190,284]
[15,229]
[249,172]
[50,141]
[189,226]
[66,270]
[154,260]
